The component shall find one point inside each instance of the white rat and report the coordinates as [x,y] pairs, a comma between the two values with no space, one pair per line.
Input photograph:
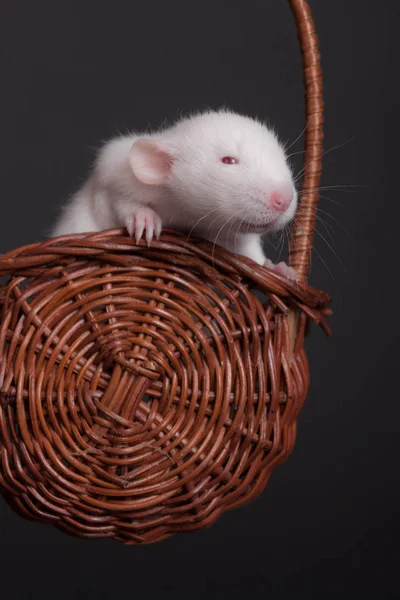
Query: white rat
[221,175]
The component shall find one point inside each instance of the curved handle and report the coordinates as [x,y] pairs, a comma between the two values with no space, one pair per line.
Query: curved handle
[303,228]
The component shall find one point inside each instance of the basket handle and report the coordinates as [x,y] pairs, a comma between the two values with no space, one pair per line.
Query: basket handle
[302,232]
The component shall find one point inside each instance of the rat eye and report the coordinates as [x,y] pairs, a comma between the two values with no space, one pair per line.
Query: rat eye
[229,160]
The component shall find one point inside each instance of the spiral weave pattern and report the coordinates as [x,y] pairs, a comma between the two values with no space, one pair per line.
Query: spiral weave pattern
[143,390]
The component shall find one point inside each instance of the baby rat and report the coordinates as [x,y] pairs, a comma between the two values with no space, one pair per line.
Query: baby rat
[221,175]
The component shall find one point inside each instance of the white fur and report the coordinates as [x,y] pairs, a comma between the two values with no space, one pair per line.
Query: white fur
[178,177]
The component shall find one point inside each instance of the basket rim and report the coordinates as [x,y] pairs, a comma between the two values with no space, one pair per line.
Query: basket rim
[117,247]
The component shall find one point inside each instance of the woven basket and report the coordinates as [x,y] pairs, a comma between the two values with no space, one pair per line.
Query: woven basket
[143,391]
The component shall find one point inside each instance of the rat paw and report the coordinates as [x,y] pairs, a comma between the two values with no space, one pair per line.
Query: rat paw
[144,220]
[281,269]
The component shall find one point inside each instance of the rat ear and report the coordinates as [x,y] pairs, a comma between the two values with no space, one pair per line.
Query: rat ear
[150,161]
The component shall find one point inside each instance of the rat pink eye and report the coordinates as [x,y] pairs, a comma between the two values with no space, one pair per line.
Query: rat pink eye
[229,160]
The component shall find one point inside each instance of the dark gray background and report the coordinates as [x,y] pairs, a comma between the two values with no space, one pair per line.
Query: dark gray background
[74,73]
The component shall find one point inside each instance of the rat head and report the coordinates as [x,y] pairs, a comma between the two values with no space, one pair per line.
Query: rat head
[226,170]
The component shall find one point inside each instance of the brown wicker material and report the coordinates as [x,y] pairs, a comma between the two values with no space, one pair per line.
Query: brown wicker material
[143,391]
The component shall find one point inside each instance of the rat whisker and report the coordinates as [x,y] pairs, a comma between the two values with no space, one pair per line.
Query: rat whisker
[293,241]
[288,229]
[327,243]
[286,148]
[323,262]
[336,221]
[281,244]
[295,153]
[318,254]
[237,232]
[230,229]
[210,226]
[219,231]
[300,173]
[341,188]
[323,197]
[199,220]
[338,146]
[276,235]
[327,228]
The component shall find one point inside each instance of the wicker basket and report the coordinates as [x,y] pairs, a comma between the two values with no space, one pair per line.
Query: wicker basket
[143,391]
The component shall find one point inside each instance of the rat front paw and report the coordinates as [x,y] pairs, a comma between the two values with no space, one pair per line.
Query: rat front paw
[282,269]
[144,220]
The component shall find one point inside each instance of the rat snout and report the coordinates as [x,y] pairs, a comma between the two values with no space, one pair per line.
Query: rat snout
[281,198]
[277,198]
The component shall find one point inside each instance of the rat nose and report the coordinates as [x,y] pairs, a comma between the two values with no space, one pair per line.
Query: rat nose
[281,199]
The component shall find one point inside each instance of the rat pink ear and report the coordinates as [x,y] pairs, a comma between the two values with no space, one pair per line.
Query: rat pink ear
[150,161]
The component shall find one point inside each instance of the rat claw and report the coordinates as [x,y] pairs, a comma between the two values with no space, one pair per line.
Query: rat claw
[139,227]
[144,220]
[130,225]
[157,227]
[149,231]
